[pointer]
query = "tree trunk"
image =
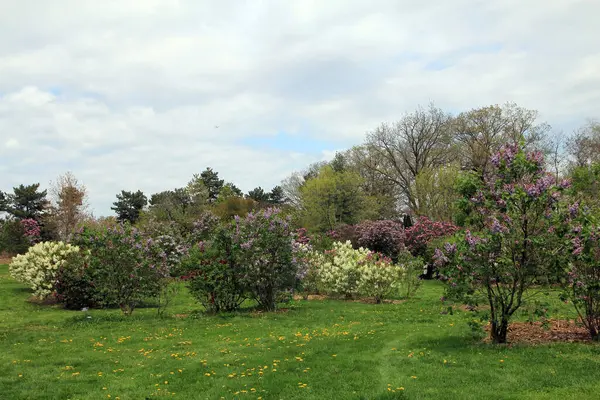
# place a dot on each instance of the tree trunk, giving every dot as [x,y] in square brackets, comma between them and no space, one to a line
[499,331]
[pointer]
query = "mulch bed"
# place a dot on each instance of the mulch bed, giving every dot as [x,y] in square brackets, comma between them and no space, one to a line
[557,331]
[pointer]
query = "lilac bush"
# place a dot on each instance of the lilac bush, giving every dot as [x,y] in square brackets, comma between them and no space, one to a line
[385,237]
[124,267]
[264,249]
[509,248]
[580,232]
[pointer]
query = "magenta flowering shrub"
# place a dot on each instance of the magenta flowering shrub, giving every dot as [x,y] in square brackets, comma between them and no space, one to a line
[123,266]
[509,248]
[31,230]
[264,249]
[385,237]
[423,232]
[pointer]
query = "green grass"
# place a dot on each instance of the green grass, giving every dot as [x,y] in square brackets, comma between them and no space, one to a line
[315,350]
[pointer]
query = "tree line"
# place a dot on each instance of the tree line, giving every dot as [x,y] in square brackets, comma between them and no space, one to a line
[408,167]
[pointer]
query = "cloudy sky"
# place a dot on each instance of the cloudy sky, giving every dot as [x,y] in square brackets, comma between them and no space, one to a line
[127,94]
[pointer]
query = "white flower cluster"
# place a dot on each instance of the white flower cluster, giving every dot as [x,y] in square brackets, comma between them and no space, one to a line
[339,274]
[38,267]
[378,278]
[350,272]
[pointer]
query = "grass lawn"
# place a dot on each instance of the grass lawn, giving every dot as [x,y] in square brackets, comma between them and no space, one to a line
[314,350]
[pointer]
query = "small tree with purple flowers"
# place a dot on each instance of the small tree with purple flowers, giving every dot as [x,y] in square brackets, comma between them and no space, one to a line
[264,249]
[510,251]
[580,232]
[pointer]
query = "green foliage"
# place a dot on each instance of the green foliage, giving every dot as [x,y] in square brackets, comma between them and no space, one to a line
[74,283]
[212,183]
[579,233]
[229,207]
[276,196]
[411,277]
[436,191]
[258,194]
[12,237]
[124,266]
[129,205]
[213,275]
[26,201]
[332,198]
[512,249]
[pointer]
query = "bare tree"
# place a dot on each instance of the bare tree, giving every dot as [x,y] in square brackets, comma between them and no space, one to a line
[69,204]
[480,132]
[584,145]
[419,140]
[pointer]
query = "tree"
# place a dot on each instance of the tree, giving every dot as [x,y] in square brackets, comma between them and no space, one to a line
[510,249]
[481,132]
[419,140]
[170,205]
[69,204]
[332,198]
[435,189]
[584,145]
[26,202]
[292,184]
[258,195]
[197,191]
[339,162]
[212,182]
[129,205]
[230,190]
[364,162]
[276,196]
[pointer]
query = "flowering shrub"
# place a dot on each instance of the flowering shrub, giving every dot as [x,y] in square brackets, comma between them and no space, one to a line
[340,273]
[74,286]
[377,276]
[509,249]
[386,237]
[412,269]
[124,266]
[38,267]
[203,228]
[423,232]
[350,272]
[581,234]
[264,248]
[213,276]
[173,251]
[308,264]
[31,230]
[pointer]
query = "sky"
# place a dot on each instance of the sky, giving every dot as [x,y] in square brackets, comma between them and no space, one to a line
[142,94]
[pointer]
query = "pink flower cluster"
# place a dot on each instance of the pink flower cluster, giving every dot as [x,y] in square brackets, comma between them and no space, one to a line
[31,230]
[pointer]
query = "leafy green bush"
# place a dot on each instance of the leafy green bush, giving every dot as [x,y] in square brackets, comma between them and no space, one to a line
[124,266]
[213,275]
[74,286]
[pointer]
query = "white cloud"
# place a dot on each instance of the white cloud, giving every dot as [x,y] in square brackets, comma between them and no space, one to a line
[127,94]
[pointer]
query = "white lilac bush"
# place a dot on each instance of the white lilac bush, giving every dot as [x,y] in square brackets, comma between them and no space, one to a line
[340,272]
[39,266]
[350,272]
[378,276]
